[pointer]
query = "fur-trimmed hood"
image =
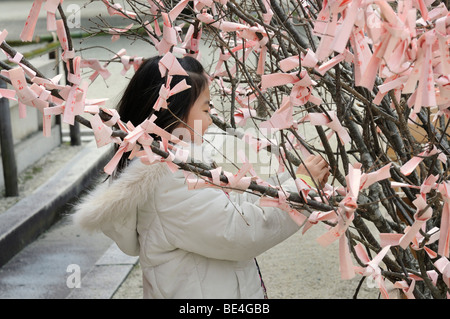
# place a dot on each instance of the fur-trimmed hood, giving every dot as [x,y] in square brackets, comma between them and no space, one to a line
[114,200]
[112,206]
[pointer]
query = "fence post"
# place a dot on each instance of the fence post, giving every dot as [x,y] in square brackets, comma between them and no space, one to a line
[7,148]
[55,55]
[75,133]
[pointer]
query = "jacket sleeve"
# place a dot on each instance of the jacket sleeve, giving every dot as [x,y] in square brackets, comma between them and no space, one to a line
[208,222]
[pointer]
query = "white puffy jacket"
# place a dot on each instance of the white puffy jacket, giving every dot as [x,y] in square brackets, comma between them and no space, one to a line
[191,243]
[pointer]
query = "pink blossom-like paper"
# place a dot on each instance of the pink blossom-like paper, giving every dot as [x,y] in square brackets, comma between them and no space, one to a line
[409,166]
[318,216]
[371,178]
[166,92]
[18,81]
[281,118]
[443,265]
[301,91]
[242,114]
[101,131]
[333,124]
[97,67]
[75,102]
[346,207]
[169,35]
[223,25]
[444,239]
[419,221]
[117,31]
[170,64]
[3,35]
[372,269]
[30,24]
[62,37]
[281,203]
[8,94]
[117,9]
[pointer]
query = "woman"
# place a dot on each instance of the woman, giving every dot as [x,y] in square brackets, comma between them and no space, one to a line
[198,243]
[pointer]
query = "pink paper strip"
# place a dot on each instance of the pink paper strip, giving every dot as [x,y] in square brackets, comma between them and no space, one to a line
[371,178]
[241,115]
[170,64]
[3,35]
[343,32]
[102,132]
[444,238]
[62,37]
[111,166]
[345,261]
[8,94]
[18,81]
[281,118]
[95,65]
[419,221]
[30,24]
[225,26]
[443,265]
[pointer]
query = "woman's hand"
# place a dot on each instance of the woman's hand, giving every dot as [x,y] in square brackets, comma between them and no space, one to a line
[317,168]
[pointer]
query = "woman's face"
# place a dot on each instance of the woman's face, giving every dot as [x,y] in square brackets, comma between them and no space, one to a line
[199,117]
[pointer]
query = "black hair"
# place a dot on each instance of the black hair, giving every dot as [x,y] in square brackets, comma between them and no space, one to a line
[142,92]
